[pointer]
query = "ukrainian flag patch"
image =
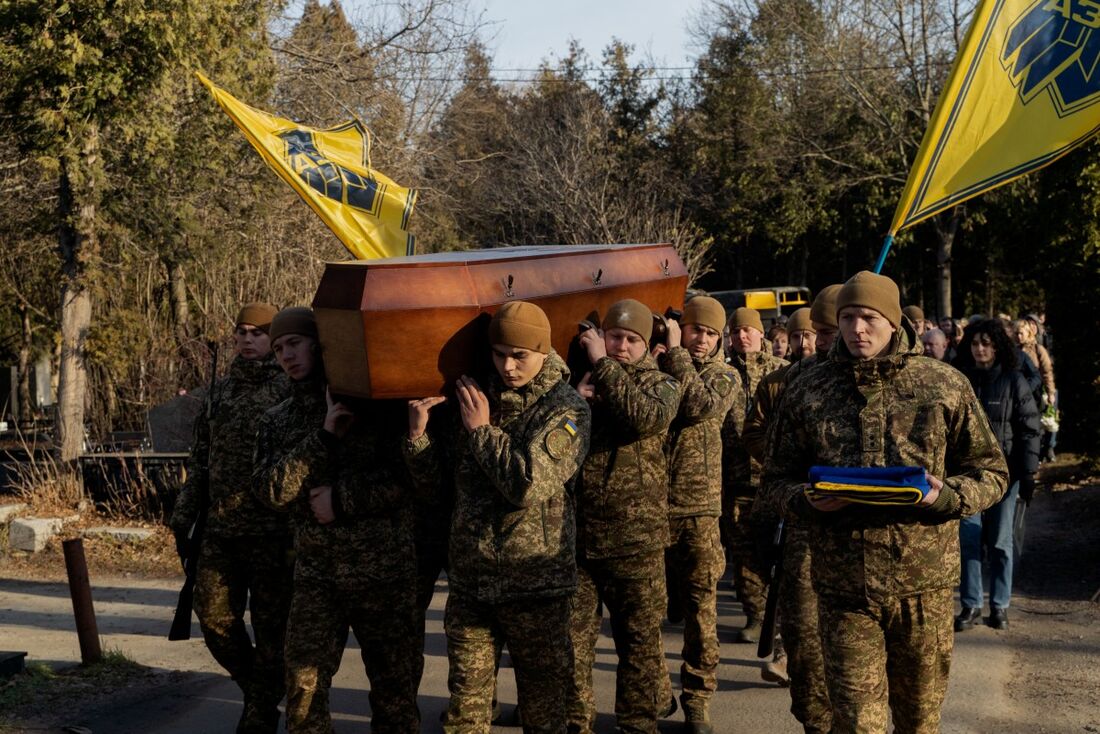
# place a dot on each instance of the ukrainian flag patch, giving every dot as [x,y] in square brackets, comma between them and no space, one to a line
[570,427]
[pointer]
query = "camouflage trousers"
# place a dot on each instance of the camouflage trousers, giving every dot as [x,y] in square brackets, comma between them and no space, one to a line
[231,573]
[633,590]
[383,617]
[798,624]
[537,634]
[693,565]
[749,574]
[887,658]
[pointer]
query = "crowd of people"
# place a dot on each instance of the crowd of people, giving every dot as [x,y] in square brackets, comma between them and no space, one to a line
[549,496]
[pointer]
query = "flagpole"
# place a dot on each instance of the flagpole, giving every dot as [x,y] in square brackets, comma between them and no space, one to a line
[882,255]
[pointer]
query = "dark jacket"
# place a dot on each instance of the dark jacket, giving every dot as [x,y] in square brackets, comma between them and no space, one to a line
[1010,405]
[1030,372]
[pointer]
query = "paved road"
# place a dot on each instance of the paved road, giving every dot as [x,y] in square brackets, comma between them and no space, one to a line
[134,614]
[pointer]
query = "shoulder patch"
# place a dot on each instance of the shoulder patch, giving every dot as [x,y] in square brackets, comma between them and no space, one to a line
[723,384]
[669,388]
[559,440]
[557,443]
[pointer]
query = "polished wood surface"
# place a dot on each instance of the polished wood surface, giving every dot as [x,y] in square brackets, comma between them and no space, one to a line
[407,327]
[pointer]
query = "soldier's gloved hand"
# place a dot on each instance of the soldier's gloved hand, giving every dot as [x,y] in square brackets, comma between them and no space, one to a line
[1027,488]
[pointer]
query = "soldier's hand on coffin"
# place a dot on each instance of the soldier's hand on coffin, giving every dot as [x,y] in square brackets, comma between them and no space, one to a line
[320,501]
[419,413]
[674,334]
[585,388]
[592,341]
[934,493]
[658,350]
[339,417]
[473,406]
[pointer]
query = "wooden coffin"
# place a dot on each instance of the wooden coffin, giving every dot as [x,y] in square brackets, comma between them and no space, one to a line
[409,326]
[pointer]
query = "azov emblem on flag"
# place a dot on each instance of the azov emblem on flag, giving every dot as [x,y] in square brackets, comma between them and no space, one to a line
[1055,46]
[327,178]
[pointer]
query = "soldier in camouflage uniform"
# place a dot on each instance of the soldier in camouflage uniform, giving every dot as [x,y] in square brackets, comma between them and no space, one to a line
[750,354]
[513,531]
[884,575]
[694,562]
[244,551]
[798,622]
[340,475]
[622,520]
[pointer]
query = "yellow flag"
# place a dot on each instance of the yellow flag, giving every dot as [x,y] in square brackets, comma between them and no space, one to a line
[1023,92]
[330,169]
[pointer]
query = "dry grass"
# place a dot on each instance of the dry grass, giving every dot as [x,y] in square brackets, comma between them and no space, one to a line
[47,484]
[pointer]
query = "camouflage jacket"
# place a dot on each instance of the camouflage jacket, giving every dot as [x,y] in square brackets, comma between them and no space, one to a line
[622,495]
[740,472]
[371,540]
[895,410]
[221,454]
[513,528]
[709,389]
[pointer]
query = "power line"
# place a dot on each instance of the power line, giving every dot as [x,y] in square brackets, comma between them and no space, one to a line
[550,75]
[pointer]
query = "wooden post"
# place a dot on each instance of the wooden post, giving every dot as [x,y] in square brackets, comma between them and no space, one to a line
[80,590]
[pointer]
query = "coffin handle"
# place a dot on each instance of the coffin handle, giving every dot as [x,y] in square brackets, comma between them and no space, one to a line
[508,286]
[597,277]
[665,268]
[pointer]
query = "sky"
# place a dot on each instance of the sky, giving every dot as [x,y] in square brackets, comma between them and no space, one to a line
[524,32]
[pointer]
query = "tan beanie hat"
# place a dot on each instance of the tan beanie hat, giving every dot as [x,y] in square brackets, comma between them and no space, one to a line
[704,311]
[746,316]
[632,315]
[823,310]
[256,314]
[522,325]
[800,321]
[914,313]
[874,291]
[294,320]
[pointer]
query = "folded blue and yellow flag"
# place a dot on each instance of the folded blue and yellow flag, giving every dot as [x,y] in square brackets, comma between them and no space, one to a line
[331,171]
[869,485]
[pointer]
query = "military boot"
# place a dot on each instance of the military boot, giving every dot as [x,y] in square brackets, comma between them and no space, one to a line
[750,632]
[775,670]
[696,715]
[260,715]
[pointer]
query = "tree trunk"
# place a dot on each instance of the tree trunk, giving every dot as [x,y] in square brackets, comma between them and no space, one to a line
[177,301]
[945,225]
[77,239]
[26,412]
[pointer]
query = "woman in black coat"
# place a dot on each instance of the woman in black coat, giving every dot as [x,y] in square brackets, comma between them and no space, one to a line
[988,357]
